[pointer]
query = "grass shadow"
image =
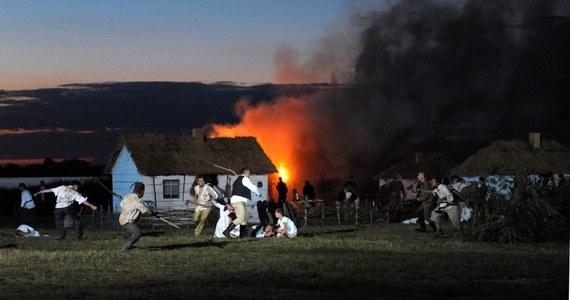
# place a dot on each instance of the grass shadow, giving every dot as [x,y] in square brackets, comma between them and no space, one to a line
[188,245]
[153,233]
[313,234]
[9,246]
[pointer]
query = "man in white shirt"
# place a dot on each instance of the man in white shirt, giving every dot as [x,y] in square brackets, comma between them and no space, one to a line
[241,193]
[65,196]
[204,196]
[445,204]
[27,205]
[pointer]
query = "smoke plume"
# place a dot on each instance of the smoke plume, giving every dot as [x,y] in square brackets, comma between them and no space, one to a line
[416,69]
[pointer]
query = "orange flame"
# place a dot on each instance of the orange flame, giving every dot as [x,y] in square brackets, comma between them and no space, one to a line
[279,127]
[283,174]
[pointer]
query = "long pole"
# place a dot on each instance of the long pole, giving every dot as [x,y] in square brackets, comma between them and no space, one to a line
[168,222]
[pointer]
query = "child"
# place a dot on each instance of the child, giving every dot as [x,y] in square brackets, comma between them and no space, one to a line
[286,225]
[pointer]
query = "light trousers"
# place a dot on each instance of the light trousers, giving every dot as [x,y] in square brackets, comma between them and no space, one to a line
[241,213]
[200,217]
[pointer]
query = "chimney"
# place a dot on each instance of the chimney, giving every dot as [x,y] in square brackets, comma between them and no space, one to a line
[534,140]
[198,134]
[418,157]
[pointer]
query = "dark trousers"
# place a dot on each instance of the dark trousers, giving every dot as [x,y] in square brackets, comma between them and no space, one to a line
[271,208]
[60,219]
[135,234]
[262,212]
[281,199]
[28,215]
[423,213]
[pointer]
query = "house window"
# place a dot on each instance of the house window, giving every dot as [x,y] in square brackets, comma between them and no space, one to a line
[170,189]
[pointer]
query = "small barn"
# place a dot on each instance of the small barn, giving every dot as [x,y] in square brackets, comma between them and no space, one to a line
[168,165]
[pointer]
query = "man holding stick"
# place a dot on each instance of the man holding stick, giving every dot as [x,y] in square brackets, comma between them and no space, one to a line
[131,208]
[241,193]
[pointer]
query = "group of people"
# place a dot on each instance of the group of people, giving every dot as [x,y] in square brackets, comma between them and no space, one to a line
[436,197]
[233,220]
[66,196]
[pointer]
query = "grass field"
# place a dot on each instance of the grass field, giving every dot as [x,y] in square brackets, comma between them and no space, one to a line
[373,262]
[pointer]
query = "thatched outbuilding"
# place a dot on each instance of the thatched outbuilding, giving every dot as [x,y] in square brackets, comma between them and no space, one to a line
[168,165]
[517,157]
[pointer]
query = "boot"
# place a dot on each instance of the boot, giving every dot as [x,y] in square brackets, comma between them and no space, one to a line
[229,229]
[439,234]
[399,216]
[422,224]
[432,224]
[242,231]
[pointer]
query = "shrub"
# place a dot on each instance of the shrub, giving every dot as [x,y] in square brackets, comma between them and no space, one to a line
[528,213]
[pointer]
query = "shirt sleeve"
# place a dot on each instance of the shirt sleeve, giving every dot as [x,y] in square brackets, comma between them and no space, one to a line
[211,192]
[80,199]
[247,183]
[140,206]
[57,190]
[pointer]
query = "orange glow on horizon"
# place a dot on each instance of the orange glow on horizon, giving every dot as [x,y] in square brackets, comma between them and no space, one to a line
[37,161]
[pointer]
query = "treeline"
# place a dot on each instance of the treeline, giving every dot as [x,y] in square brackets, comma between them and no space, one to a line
[51,168]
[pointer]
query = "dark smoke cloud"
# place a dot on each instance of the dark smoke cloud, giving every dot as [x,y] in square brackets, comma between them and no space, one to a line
[443,76]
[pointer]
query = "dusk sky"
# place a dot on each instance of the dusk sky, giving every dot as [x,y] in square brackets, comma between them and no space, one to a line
[417,76]
[48,43]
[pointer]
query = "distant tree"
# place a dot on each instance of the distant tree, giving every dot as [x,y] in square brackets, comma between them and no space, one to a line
[48,161]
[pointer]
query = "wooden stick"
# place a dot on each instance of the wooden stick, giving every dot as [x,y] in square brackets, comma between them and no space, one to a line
[223,168]
[168,222]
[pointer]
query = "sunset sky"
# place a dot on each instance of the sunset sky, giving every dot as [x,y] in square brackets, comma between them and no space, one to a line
[47,43]
[415,76]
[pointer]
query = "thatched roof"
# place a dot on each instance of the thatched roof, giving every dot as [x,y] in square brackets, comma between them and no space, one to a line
[432,164]
[184,155]
[516,157]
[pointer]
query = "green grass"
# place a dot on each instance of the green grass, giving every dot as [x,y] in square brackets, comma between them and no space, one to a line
[377,261]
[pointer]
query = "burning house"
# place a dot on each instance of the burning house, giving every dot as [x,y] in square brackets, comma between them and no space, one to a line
[168,165]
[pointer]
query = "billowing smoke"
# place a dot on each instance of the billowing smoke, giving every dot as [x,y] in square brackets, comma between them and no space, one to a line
[416,70]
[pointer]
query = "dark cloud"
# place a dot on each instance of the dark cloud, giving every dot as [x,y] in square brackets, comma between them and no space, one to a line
[87,120]
[427,75]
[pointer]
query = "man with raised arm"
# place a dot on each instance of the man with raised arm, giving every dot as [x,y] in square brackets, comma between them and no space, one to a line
[241,193]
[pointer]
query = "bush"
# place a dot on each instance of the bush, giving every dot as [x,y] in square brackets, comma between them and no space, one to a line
[528,213]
